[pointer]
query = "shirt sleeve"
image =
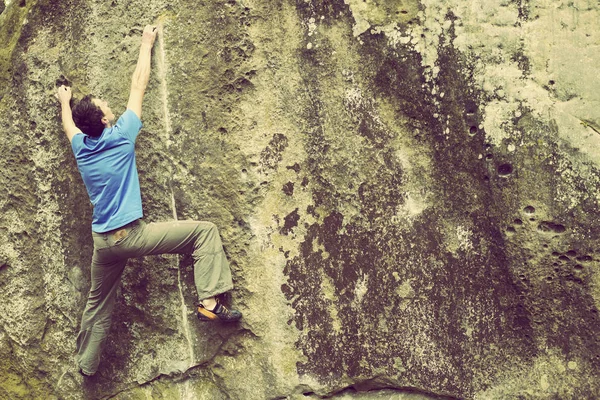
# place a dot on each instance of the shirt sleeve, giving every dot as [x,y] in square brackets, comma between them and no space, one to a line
[77,142]
[129,125]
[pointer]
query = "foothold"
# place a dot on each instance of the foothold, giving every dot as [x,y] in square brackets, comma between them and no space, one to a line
[505,170]
[585,258]
[489,156]
[529,210]
[510,230]
[62,81]
[571,253]
[518,221]
[564,258]
[578,267]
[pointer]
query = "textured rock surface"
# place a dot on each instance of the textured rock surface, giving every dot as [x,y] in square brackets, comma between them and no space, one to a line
[407,192]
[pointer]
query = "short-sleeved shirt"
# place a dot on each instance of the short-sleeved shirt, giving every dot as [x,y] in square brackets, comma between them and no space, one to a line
[107,166]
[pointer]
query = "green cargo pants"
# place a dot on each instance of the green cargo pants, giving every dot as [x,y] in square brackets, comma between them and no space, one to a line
[212,275]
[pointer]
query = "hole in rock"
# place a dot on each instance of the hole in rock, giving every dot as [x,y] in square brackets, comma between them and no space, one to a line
[551,82]
[518,221]
[564,258]
[584,258]
[486,178]
[505,170]
[511,230]
[473,130]
[571,253]
[549,278]
[555,253]
[529,210]
[578,268]
[549,226]
[489,156]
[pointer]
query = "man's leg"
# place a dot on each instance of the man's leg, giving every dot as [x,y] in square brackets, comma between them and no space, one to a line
[96,318]
[212,274]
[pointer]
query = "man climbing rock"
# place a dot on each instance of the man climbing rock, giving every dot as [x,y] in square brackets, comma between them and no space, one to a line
[105,156]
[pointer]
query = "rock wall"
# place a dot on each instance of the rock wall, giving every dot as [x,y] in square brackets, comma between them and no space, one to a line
[407,192]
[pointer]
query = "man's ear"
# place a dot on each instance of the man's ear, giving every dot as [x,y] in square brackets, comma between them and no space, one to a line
[104,121]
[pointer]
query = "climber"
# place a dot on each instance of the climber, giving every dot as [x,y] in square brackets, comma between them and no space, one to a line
[105,156]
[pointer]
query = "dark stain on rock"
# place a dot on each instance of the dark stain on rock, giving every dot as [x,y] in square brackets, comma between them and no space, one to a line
[370,255]
[288,189]
[290,222]
[272,154]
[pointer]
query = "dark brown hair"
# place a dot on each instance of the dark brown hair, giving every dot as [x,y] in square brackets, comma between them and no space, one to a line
[88,117]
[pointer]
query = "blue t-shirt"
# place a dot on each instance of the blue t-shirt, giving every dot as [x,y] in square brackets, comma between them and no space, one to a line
[107,166]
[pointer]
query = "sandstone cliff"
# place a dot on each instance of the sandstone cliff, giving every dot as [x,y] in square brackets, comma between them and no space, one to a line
[407,191]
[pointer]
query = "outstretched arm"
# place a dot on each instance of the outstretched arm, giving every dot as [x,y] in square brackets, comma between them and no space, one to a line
[64,96]
[139,81]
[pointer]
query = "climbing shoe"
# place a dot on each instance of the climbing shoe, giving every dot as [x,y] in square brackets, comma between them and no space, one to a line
[85,375]
[219,313]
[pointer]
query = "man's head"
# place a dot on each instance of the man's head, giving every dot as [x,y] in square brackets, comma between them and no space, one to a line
[92,115]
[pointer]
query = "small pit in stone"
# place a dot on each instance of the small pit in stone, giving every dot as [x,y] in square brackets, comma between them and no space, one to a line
[529,210]
[473,130]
